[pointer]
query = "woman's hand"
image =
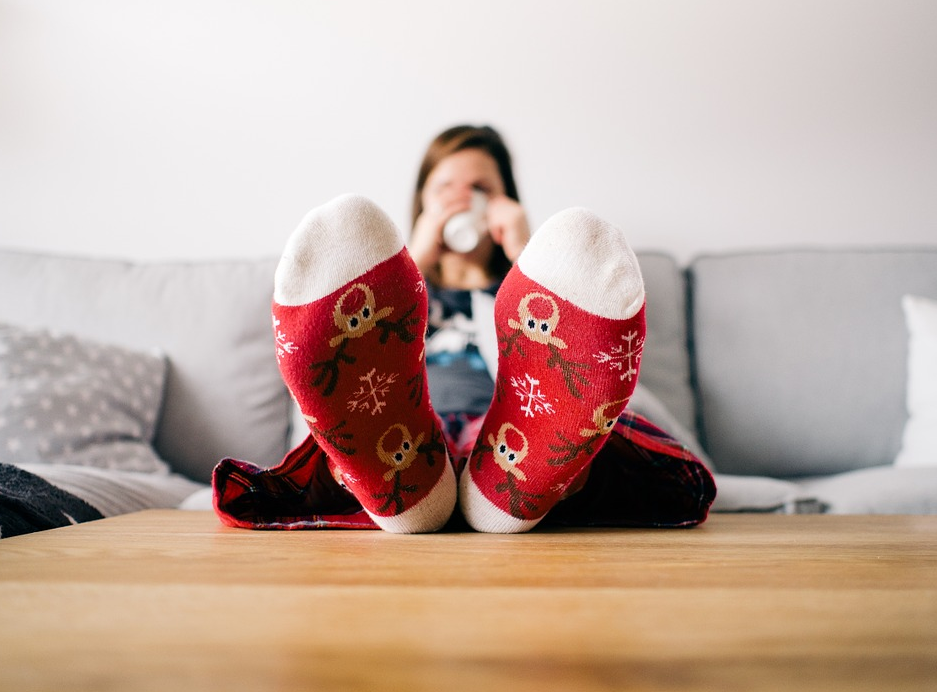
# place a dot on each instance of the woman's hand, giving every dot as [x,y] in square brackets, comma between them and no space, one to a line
[426,242]
[507,224]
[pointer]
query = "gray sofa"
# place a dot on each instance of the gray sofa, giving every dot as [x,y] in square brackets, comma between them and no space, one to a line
[785,371]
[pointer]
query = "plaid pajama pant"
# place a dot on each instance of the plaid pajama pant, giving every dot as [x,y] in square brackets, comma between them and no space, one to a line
[641,477]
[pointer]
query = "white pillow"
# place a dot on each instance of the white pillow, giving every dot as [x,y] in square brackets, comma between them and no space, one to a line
[919,443]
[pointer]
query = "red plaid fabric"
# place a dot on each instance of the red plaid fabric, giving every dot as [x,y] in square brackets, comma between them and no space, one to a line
[641,477]
[300,493]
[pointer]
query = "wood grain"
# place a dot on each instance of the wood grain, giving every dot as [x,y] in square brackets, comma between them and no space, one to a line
[168,600]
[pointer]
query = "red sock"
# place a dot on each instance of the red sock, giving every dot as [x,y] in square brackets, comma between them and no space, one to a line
[570,321]
[350,316]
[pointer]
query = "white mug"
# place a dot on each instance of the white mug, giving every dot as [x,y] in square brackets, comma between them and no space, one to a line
[464,230]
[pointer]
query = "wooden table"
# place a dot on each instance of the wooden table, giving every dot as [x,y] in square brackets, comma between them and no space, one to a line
[171,600]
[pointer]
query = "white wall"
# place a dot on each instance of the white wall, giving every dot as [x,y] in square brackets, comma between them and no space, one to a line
[206,128]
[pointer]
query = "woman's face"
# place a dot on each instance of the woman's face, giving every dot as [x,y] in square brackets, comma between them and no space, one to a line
[455,176]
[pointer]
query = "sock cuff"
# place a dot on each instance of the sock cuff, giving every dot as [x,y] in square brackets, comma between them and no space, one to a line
[334,244]
[600,272]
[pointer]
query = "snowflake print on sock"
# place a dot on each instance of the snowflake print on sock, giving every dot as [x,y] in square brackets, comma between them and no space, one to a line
[372,394]
[284,347]
[533,401]
[624,358]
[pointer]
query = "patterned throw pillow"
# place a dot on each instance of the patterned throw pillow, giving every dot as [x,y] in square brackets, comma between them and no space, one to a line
[66,400]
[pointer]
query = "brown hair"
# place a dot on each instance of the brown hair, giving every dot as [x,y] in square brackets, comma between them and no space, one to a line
[462,137]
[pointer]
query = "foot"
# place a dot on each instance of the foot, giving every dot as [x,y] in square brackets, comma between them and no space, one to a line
[570,321]
[349,314]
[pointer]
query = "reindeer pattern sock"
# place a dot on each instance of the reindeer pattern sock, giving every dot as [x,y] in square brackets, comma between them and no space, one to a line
[570,323]
[349,317]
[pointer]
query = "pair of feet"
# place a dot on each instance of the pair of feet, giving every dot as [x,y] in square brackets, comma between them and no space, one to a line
[349,315]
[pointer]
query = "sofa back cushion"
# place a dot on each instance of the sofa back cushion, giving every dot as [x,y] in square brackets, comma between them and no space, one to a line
[800,357]
[665,364]
[224,395]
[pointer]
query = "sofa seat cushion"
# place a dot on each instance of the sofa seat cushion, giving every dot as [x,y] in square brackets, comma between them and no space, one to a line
[879,490]
[113,492]
[764,495]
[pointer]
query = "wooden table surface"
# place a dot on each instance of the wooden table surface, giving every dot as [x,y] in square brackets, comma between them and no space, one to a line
[171,600]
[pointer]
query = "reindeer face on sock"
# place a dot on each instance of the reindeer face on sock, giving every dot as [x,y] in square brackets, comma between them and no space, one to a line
[509,449]
[604,416]
[356,313]
[398,448]
[538,315]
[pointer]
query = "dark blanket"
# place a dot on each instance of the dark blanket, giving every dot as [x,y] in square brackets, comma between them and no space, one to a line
[29,503]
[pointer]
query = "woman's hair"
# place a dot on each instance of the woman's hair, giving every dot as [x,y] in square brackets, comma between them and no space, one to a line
[462,137]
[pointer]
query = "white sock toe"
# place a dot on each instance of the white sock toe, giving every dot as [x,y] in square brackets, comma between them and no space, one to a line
[332,245]
[599,271]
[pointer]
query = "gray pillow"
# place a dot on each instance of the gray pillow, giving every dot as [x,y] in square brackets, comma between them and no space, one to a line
[65,400]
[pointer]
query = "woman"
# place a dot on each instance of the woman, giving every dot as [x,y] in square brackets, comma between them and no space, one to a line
[462,161]
[459,161]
